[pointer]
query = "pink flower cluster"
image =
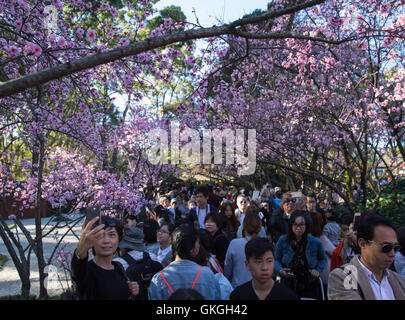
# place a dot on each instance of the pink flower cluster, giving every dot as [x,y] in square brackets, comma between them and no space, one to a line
[32,49]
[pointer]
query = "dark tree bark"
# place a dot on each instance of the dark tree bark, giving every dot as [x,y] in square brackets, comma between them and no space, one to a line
[32,80]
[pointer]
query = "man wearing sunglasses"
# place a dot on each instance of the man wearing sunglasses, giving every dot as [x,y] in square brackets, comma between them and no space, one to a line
[242,203]
[367,277]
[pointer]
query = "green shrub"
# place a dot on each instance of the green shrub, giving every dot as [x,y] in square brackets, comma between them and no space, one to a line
[388,206]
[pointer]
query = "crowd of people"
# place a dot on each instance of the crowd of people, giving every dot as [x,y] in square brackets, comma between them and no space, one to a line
[218,243]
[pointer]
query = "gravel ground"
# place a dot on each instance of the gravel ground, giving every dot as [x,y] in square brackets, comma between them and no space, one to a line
[10,283]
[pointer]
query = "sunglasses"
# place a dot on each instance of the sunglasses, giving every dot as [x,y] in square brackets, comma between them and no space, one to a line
[290,201]
[386,248]
[108,222]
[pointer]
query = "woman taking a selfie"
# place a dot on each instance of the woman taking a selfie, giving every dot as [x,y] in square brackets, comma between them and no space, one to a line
[100,278]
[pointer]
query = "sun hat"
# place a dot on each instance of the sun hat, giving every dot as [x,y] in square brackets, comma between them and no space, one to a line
[132,239]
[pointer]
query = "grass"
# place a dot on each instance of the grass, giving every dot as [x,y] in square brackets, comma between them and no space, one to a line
[3,260]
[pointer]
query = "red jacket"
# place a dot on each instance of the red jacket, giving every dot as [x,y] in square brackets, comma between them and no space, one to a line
[336,260]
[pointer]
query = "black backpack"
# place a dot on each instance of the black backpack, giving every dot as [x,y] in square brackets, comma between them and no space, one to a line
[142,271]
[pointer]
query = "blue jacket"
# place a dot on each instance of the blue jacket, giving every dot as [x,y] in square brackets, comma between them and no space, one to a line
[181,275]
[314,252]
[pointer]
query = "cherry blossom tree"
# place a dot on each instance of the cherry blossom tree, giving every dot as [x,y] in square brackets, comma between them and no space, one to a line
[324,112]
[309,76]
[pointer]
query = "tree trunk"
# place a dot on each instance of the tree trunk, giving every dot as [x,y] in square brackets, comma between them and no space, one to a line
[43,294]
[25,287]
[363,178]
[20,262]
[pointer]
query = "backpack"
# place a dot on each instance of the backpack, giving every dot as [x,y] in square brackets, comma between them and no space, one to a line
[142,271]
[219,235]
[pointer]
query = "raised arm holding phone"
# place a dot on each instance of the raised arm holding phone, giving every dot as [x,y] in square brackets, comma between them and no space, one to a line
[100,278]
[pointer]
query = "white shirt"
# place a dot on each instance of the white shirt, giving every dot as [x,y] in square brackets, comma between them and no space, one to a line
[382,290]
[201,213]
[161,254]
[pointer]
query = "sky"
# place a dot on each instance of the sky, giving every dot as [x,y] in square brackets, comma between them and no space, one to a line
[210,12]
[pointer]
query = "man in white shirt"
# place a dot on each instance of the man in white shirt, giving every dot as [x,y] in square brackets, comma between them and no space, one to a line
[197,214]
[367,277]
[164,251]
[241,202]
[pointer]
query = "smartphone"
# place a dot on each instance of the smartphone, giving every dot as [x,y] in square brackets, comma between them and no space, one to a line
[91,213]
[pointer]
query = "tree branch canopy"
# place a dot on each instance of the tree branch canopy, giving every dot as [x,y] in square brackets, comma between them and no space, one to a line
[31,80]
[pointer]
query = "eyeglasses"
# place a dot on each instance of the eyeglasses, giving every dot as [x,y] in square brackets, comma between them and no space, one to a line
[301,225]
[290,201]
[385,248]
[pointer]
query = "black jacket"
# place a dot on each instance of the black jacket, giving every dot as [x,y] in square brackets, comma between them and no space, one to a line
[279,223]
[221,244]
[266,219]
[96,283]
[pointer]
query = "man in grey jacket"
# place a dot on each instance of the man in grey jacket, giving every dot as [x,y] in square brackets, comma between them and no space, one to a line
[367,277]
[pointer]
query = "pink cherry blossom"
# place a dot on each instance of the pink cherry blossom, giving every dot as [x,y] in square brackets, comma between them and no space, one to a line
[32,48]
[13,51]
[79,32]
[114,12]
[123,42]
[105,6]
[61,42]
[91,35]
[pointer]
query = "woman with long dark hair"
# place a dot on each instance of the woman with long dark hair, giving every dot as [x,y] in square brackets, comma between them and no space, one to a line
[232,223]
[300,258]
[214,224]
